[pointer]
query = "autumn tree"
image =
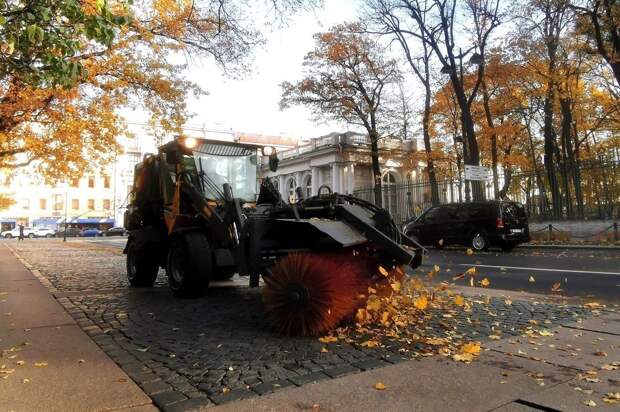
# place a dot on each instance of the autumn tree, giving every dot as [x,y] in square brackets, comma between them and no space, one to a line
[600,23]
[387,19]
[62,127]
[345,78]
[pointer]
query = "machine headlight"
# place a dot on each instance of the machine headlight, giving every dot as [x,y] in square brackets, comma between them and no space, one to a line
[268,150]
[190,142]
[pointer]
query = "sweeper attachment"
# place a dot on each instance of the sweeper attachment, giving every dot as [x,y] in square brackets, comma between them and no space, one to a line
[195,212]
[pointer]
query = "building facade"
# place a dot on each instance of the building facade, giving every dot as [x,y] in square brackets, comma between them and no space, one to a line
[342,162]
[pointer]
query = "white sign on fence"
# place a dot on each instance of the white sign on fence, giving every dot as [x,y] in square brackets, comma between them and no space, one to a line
[477,172]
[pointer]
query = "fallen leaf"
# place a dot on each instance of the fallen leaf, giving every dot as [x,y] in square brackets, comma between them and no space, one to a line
[600,353]
[436,268]
[458,300]
[590,403]
[383,271]
[421,302]
[485,282]
[469,252]
[531,279]
[225,390]
[556,287]
[19,363]
[494,337]
[379,386]
[328,339]
[143,349]
[440,242]
[26,380]
[395,286]
[508,302]
[612,398]
[40,364]
[471,347]
[324,350]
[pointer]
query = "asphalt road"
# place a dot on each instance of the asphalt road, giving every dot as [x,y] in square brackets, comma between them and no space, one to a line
[580,272]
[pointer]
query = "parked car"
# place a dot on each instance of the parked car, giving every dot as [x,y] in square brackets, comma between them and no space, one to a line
[44,232]
[115,231]
[8,234]
[90,232]
[478,225]
[71,232]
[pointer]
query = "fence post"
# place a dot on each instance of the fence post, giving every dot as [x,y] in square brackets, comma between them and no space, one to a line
[550,231]
[615,231]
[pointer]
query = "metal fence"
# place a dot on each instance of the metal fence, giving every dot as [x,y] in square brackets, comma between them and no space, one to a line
[599,183]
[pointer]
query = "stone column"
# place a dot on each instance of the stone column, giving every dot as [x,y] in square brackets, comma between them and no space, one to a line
[336,177]
[316,180]
[281,188]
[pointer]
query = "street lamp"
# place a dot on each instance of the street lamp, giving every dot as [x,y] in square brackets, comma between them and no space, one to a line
[65,186]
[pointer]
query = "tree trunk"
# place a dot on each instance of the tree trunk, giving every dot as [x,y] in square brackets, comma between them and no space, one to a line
[489,118]
[471,154]
[539,181]
[432,178]
[376,169]
[550,147]
[507,180]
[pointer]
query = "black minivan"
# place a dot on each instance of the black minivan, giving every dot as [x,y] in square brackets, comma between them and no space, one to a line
[478,225]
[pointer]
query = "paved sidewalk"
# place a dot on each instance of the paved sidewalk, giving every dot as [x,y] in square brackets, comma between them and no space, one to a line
[47,362]
[562,372]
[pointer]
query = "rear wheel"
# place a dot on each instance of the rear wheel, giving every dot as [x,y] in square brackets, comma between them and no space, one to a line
[479,242]
[31,235]
[189,265]
[8,236]
[141,268]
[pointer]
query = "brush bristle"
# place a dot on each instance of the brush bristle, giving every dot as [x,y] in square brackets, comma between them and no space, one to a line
[330,285]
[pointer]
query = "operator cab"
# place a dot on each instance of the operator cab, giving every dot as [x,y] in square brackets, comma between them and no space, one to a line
[209,164]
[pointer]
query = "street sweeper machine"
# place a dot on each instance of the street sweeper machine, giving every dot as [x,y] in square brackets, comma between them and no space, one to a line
[196,212]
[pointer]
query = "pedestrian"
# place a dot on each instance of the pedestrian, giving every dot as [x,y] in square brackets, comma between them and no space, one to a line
[21,232]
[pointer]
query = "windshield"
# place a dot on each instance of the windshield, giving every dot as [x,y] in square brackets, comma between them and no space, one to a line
[238,171]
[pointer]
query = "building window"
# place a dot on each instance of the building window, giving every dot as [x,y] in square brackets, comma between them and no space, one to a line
[308,186]
[106,204]
[75,204]
[26,204]
[75,182]
[292,196]
[43,204]
[58,202]
[106,182]
[91,181]
[91,204]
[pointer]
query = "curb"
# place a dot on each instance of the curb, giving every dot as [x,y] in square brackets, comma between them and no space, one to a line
[585,247]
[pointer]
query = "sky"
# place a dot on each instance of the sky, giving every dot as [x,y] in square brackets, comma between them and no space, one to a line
[251,104]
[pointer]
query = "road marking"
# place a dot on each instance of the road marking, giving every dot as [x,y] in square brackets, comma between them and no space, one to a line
[542,269]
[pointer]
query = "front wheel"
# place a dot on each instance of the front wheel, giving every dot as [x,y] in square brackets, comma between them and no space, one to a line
[141,268]
[31,236]
[479,242]
[189,265]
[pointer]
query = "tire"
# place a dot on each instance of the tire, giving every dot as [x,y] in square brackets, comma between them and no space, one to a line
[8,236]
[31,236]
[141,268]
[507,247]
[479,242]
[189,265]
[49,235]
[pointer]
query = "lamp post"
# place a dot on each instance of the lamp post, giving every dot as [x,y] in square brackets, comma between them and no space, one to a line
[65,186]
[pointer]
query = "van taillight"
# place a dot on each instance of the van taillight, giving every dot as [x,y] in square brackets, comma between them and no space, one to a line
[499,223]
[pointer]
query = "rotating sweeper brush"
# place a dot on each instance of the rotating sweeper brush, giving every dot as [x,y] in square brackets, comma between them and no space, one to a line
[195,212]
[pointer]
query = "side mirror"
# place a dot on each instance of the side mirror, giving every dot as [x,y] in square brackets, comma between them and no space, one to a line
[273,162]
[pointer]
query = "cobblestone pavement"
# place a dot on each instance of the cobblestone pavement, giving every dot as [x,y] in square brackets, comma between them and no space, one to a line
[219,348]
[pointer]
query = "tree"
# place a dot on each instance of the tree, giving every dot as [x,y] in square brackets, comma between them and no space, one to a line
[64,129]
[42,40]
[437,28]
[600,23]
[387,16]
[345,78]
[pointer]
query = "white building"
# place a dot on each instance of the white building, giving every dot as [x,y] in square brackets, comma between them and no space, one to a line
[342,162]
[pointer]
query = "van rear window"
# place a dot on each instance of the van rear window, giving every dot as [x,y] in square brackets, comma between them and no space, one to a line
[513,211]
